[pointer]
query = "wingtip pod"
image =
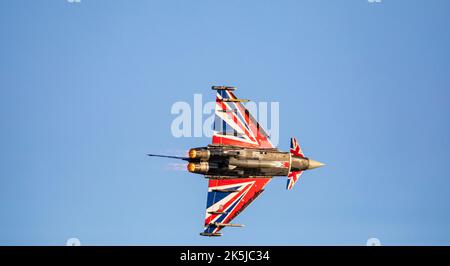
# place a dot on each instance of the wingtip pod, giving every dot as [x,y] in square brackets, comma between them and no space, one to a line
[210,234]
[227,88]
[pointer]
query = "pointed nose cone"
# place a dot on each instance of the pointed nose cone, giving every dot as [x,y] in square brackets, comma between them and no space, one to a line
[314,164]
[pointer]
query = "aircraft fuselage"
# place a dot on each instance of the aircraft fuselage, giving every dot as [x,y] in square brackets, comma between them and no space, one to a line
[231,161]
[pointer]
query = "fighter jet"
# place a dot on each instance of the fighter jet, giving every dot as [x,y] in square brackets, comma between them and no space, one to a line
[240,162]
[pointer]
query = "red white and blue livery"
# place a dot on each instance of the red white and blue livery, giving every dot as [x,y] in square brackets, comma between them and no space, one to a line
[240,162]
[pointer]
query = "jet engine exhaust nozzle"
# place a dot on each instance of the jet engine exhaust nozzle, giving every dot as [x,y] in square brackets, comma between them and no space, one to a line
[200,168]
[199,154]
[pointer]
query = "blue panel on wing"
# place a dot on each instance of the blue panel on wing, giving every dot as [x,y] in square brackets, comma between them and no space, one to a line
[223,93]
[222,217]
[215,196]
[210,229]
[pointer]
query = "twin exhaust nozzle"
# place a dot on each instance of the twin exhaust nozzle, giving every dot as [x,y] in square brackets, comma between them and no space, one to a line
[198,167]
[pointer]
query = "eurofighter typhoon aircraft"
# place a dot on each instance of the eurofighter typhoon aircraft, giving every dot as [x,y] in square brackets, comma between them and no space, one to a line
[240,162]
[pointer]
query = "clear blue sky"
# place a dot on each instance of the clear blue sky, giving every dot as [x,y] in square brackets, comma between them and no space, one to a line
[86,90]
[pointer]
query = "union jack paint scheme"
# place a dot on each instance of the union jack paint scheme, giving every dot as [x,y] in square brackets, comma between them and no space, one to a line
[240,162]
[293,176]
[222,205]
[235,126]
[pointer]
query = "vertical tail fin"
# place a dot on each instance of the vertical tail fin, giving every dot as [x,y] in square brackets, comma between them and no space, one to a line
[294,176]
